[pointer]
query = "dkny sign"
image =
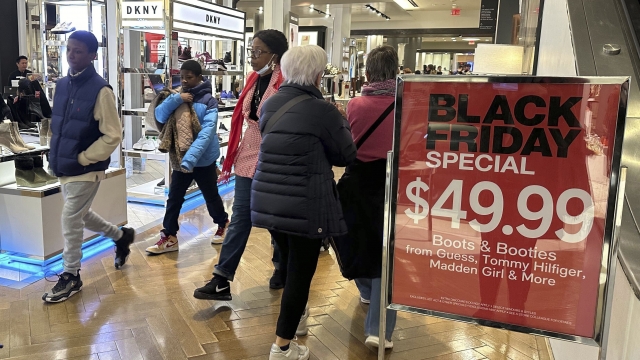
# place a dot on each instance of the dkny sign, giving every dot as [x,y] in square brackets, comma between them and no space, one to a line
[206,18]
[142,9]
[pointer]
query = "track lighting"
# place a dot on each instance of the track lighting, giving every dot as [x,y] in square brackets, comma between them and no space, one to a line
[378,12]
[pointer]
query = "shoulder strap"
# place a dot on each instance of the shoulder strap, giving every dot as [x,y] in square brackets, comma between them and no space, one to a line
[375,125]
[276,117]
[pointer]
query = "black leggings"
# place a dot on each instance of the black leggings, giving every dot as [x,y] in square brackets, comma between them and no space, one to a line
[298,262]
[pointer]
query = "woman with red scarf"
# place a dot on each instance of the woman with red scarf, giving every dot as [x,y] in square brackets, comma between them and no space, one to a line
[267,49]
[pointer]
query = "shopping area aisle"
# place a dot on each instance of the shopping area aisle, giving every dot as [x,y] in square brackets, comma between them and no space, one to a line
[146,311]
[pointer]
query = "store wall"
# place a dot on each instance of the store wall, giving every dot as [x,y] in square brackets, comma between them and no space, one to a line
[556,55]
[10,44]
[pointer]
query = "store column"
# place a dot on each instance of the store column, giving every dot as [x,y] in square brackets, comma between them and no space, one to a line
[341,29]
[275,14]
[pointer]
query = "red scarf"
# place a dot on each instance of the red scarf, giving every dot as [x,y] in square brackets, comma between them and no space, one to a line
[237,120]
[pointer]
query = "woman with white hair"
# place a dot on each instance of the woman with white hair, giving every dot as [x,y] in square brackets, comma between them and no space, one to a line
[293,192]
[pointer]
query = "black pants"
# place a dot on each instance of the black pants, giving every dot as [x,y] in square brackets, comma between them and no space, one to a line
[298,262]
[207,180]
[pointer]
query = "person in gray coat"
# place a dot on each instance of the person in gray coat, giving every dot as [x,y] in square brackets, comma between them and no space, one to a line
[293,192]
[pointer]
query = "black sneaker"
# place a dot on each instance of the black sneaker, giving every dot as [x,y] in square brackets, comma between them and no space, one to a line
[122,246]
[275,282]
[216,289]
[67,286]
[161,183]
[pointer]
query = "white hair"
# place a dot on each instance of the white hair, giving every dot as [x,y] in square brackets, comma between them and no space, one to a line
[303,64]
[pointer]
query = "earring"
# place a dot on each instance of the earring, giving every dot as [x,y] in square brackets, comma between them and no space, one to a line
[273,66]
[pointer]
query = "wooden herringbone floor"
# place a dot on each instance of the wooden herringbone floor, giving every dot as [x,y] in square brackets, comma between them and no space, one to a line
[146,311]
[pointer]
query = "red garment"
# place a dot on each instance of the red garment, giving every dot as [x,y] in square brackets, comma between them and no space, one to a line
[237,120]
[362,112]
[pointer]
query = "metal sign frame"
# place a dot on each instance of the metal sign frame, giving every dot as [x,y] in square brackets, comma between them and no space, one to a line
[615,202]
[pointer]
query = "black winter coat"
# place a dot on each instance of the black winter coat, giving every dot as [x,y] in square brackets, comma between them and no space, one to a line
[293,190]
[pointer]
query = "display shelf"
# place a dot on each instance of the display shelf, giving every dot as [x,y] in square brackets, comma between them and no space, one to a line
[7,155]
[152,155]
[47,190]
[30,225]
[150,193]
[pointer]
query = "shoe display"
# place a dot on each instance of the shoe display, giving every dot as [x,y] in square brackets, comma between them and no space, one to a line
[44,132]
[161,183]
[222,127]
[302,329]
[218,237]
[216,289]
[186,54]
[19,140]
[67,286]
[8,140]
[25,175]
[41,174]
[374,341]
[122,246]
[164,245]
[275,282]
[145,144]
[149,145]
[295,352]
[223,94]
[138,145]
[63,28]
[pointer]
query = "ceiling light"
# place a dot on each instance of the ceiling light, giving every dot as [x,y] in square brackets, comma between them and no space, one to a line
[260,10]
[311,6]
[455,40]
[470,39]
[407,4]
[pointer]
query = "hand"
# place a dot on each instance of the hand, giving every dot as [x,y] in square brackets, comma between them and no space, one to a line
[341,109]
[186,97]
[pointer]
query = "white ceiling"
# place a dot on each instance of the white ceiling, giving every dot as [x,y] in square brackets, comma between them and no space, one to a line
[361,14]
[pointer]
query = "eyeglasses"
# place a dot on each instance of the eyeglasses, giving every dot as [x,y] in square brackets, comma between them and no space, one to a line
[256,53]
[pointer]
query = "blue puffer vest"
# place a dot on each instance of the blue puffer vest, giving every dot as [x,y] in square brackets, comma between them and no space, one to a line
[73,127]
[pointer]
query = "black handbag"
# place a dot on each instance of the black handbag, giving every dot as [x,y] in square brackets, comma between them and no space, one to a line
[358,253]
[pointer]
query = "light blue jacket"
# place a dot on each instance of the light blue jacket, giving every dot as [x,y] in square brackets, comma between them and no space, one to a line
[205,149]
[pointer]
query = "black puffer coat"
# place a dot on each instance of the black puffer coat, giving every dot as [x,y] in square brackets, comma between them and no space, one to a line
[293,190]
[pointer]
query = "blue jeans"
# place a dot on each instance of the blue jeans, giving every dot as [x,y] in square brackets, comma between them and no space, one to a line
[235,241]
[370,289]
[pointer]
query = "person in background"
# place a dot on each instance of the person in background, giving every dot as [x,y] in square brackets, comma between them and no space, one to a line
[198,163]
[407,71]
[425,69]
[367,183]
[267,49]
[85,129]
[439,71]
[21,62]
[417,72]
[293,191]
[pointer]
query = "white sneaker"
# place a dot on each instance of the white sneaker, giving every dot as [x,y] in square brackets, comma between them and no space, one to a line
[138,145]
[164,245]
[364,301]
[302,329]
[148,145]
[374,341]
[295,352]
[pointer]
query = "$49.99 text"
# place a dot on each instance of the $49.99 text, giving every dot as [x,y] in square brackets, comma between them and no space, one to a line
[422,209]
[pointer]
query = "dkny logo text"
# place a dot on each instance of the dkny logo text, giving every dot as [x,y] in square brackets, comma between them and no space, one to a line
[142,9]
[213,19]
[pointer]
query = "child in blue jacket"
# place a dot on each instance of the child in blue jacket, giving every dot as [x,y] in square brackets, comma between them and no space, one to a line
[199,162]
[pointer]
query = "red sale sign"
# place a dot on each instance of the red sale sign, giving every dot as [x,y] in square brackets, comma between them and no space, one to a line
[502,200]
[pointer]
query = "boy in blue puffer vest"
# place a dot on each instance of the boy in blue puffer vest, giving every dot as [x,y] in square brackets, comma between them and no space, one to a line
[85,129]
[199,162]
